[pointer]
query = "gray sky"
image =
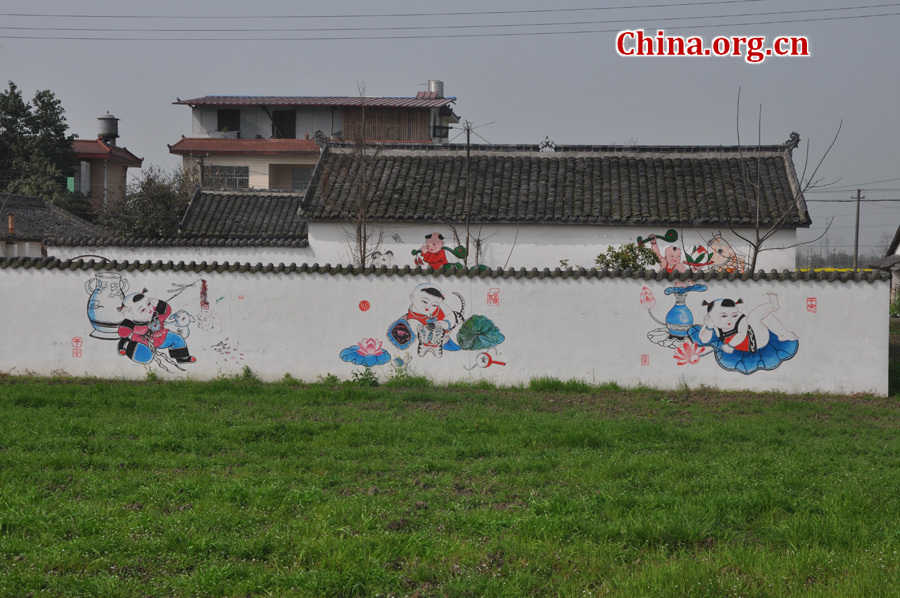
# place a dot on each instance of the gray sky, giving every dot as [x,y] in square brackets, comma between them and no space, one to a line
[562,81]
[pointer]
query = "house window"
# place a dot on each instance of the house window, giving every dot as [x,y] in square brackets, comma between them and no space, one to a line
[300,178]
[284,124]
[229,120]
[226,177]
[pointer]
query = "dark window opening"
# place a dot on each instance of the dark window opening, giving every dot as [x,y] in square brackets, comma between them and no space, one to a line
[284,124]
[300,178]
[229,120]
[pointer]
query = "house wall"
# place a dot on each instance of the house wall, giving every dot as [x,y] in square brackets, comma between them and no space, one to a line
[256,123]
[536,246]
[258,165]
[594,328]
[265,255]
[21,249]
[108,182]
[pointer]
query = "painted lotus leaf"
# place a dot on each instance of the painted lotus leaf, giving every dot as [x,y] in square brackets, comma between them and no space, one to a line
[354,355]
[479,333]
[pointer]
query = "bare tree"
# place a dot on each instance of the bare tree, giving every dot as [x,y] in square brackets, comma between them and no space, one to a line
[764,232]
[363,238]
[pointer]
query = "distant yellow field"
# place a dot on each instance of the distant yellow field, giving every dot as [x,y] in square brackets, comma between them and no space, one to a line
[833,269]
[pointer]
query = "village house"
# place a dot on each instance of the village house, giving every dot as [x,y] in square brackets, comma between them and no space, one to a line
[102,170]
[273,142]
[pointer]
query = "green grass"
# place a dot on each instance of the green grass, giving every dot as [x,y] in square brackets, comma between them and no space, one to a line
[237,487]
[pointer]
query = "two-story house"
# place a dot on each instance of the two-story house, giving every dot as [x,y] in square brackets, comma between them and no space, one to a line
[270,142]
[102,170]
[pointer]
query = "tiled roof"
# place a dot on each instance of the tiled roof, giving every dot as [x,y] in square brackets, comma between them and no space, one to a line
[35,220]
[257,215]
[95,149]
[259,147]
[889,262]
[895,242]
[474,272]
[175,242]
[417,102]
[706,185]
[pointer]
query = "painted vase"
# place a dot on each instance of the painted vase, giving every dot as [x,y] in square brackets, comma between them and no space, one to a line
[107,291]
[679,319]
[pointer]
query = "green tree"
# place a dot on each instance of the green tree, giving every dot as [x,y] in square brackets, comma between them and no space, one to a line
[154,204]
[36,154]
[629,255]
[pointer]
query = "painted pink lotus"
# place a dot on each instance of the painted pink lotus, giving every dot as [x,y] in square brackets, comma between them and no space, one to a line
[370,346]
[367,353]
[647,298]
[689,353]
[684,283]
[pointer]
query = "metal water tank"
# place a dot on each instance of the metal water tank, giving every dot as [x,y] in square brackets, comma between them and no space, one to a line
[109,128]
[436,86]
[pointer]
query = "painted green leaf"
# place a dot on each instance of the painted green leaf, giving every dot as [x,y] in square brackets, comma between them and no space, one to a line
[479,333]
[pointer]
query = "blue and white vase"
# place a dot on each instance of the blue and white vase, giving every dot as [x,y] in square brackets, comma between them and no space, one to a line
[107,291]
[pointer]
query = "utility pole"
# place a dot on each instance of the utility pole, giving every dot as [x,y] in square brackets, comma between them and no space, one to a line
[859,197]
[468,128]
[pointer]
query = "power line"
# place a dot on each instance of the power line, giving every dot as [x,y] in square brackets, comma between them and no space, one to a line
[447,36]
[383,15]
[431,27]
[851,200]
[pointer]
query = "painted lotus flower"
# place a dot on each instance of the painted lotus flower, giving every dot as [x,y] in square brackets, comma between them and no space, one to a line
[370,346]
[478,333]
[689,353]
[368,353]
[647,298]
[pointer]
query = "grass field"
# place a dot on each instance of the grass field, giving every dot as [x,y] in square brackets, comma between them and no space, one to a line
[237,488]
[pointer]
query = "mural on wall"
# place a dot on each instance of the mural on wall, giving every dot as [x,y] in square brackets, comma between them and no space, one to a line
[427,329]
[741,342]
[434,253]
[717,254]
[368,352]
[148,329]
[381,258]
[144,334]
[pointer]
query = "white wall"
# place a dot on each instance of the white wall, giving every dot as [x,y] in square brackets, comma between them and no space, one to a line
[265,255]
[531,246]
[568,327]
[255,121]
[537,245]
[20,249]
[258,165]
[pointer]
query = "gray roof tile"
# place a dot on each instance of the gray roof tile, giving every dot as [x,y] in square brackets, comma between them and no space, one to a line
[36,220]
[259,215]
[53,263]
[575,184]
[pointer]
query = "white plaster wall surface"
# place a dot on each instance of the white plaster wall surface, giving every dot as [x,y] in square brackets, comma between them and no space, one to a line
[593,329]
[265,255]
[327,120]
[538,245]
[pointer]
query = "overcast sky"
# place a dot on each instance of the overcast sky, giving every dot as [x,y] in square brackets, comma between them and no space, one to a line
[515,76]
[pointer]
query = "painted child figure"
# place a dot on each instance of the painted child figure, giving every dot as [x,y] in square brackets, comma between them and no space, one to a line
[670,261]
[143,330]
[433,324]
[432,252]
[743,332]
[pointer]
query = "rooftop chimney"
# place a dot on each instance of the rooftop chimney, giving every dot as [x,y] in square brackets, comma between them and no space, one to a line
[109,128]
